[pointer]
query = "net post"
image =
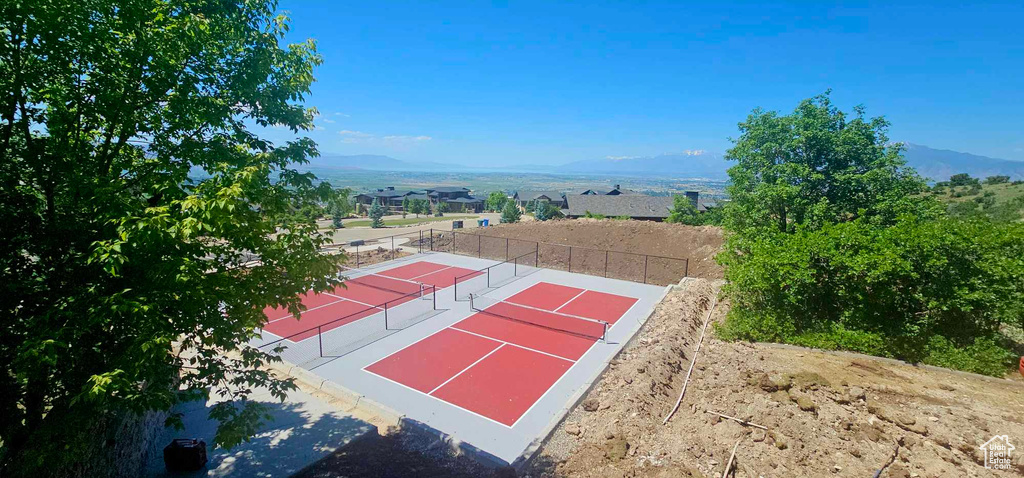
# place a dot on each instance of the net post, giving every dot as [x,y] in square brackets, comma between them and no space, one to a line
[433,296]
[488,277]
[386,316]
[320,338]
[515,267]
[455,287]
[605,333]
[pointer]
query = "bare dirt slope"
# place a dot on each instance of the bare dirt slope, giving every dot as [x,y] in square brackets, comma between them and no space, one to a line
[698,243]
[826,415]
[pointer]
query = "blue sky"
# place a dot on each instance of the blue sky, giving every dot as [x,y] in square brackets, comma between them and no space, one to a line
[506,82]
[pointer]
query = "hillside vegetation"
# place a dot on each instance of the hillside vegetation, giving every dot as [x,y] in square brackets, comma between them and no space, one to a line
[833,242]
[994,197]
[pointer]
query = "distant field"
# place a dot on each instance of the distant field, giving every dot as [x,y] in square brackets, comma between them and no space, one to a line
[482,183]
[410,221]
[1002,201]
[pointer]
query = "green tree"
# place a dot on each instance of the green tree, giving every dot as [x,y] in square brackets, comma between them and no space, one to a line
[963,179]
[376,215]
[135,197]
[540,211]
[815,166]
[683,212]
[441,208]
[405,206]
[340,206]
[510,213]
[496,201]
[830,244]
[997,179]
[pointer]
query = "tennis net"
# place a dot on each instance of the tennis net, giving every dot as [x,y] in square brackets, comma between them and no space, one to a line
[556,321]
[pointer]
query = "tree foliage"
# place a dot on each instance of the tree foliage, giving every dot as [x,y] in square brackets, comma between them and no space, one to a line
[121,273]
[340,206]
[830,243]
[376,214]
[496,201]
[510,213]
[815,166]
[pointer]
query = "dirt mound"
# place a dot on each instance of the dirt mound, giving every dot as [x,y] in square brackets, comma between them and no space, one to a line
[824,414]
[697,243]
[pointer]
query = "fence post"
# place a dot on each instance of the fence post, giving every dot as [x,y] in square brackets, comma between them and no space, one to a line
[357,257]
[645,267]
[536,254]
[570,258]
[455,250]
[478,240]
[320,338]
[606,263]
[431,239]
[686,271]
[506,248]
[386,316]
[394,253]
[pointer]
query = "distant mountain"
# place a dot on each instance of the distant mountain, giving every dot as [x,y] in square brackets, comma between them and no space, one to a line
[933,164]
[940,164]
[690,164]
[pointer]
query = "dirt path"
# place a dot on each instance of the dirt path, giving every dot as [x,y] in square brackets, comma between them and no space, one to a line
[826,415]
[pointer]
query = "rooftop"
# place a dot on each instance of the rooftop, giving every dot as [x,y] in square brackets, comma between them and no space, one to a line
[622,205]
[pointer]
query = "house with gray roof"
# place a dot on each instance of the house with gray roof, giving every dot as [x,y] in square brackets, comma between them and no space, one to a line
[650,208]
[523,198]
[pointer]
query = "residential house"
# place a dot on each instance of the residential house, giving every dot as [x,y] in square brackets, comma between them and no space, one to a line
[616,191]
[524,198]
[649,208]
[459,199]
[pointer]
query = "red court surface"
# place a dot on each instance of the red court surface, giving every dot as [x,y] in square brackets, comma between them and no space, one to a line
[359,298]
[494,365]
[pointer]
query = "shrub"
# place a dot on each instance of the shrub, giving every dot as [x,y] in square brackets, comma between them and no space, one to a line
[376,215]
[883,291]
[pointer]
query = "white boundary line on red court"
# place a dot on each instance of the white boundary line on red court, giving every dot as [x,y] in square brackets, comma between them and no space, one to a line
[584,291]
[431,272]
[467,368]
[552,387]
[292,316]
[512,344]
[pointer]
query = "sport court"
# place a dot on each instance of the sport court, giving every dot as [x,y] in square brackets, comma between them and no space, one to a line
[499,361]
[496,371]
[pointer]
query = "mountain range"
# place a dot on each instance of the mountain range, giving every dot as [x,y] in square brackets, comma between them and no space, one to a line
[933,164]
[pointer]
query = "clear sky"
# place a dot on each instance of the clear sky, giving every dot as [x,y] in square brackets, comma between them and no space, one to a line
[540,82]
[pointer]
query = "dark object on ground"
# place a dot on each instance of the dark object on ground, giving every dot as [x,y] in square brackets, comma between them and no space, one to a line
[358,242]
[185,454]
[456,224]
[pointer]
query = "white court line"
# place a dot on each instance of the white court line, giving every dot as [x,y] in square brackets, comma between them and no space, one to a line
[428,273]
[572,299]
[444,402]
[358,302]
[467,368]
[512,344]
[291,316]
